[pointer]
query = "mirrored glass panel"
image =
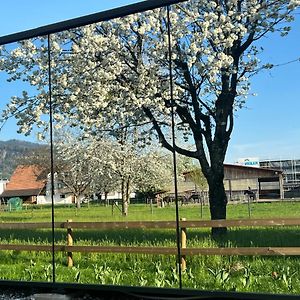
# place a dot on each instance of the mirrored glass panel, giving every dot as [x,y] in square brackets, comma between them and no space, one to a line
[26,235]
[159,149]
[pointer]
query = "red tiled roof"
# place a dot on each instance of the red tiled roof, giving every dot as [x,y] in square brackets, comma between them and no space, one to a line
[26,179]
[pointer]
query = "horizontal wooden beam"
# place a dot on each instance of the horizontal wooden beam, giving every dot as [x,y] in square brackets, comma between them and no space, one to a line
[121,225]
[47,248]
[124,250]
[92,249]
[251,251]
[242,223]
[156,224]
[29,225]
[265,251]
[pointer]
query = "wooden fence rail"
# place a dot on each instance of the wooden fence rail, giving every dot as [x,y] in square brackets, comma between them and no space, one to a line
[156,224]
[185,251]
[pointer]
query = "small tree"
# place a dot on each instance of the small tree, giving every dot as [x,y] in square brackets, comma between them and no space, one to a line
[71,166]
[199,180]
[74,168]
[105,182]
[155,173]
[134,170]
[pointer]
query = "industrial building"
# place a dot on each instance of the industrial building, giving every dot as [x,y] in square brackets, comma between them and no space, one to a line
[291,174]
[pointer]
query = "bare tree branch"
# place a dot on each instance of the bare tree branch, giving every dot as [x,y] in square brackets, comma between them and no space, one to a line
[162,139]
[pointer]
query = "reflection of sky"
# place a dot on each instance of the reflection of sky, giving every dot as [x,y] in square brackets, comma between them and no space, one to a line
[7,90]
[20,15]
[267,128]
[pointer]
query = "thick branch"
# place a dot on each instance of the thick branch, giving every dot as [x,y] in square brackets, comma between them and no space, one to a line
[230,128]
[191,88]
[186,117]
[162,139]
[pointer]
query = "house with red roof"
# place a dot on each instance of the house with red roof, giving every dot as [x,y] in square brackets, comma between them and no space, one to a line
[31,184]
[27,182]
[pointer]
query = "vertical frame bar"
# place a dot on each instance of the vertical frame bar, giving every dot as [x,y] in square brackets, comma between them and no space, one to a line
[51,155]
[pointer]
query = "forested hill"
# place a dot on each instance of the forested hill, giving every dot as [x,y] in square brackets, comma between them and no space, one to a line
[11,153]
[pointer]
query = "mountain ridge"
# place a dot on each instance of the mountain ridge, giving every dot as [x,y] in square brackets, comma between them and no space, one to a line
[11,153]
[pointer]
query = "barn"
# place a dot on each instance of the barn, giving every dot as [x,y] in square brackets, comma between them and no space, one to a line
[238,180]
[265,183]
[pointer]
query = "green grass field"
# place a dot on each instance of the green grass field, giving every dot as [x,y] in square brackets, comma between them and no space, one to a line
[230,273]
[143,212]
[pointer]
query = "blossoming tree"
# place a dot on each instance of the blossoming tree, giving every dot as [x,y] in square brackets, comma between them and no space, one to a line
[130,168]
[116,72]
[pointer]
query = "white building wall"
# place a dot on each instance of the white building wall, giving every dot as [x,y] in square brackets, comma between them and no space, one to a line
[3,185]
[117,196]
[57,199]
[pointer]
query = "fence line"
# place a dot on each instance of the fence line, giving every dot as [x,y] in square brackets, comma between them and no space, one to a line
[70,248]
[156,224]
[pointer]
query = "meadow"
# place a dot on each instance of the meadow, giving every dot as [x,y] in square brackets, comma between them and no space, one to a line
[231,273]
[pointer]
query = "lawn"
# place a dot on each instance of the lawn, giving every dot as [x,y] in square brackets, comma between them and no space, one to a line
[143,212]
[231,273]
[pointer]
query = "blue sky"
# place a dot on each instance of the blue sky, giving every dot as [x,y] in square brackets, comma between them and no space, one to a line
[19,15]
[269,126]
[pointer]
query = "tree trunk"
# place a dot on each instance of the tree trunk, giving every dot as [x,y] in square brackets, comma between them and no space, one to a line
[128,190]
[77,201]
[105,198]
[217,203]
[124,199]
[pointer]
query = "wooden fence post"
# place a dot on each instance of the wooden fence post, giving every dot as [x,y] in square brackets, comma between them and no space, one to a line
[183,245]
[69,243]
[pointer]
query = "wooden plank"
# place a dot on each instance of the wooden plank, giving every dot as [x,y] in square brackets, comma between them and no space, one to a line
[29,225]
[123,249]
[122,225]
[186,224]
[265,251]
[155,224]
[92,249]
[241,223]
[47,248]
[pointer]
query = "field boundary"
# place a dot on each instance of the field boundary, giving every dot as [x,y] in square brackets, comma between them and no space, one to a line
[70,248]
[155,224]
